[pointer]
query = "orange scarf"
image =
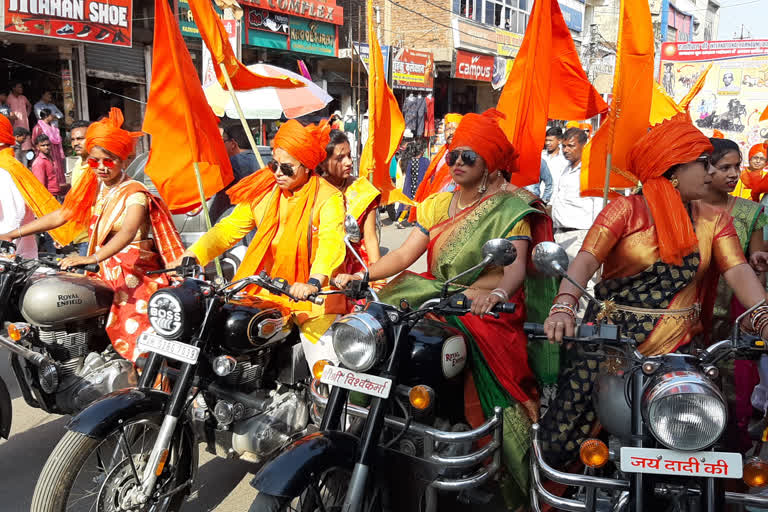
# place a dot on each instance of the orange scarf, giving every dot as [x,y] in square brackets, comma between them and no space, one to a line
[675,141]
[429,184]
[751,179]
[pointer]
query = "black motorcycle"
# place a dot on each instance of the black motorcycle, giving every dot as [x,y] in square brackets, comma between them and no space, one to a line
[59,353]
[392,437]
[663,417]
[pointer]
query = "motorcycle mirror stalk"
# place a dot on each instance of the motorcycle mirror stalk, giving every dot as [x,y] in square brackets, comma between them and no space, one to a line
[497,251]
[551,260]
[354,236]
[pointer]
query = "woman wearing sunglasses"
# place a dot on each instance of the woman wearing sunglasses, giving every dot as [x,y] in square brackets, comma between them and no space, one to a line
[360,197]
[299,221]
[452,228]
[119,214]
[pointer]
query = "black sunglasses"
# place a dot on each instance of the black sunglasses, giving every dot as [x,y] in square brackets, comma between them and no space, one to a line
[287,169]
[468,156]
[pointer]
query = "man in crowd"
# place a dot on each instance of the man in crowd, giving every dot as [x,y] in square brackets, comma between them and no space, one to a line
[241,156]
[5,108]
[77,139]
[21,135]
[46,102]
[572,214]
[20,108]
[43,169]
[543,188]
[553,153]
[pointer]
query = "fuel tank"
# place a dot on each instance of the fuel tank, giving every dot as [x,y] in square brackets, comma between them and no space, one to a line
[53,300]
[251,323]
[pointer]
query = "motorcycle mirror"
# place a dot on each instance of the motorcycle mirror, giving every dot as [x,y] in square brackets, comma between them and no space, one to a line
[550,259]
[352,229]
[499,251]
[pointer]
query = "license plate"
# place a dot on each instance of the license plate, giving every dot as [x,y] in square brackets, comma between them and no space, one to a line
[356,381]
[671,462]
[169,348]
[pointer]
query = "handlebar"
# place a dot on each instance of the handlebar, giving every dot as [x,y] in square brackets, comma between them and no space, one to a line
[56,263]
[585,333]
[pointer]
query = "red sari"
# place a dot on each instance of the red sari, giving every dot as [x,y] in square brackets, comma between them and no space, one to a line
[125,272]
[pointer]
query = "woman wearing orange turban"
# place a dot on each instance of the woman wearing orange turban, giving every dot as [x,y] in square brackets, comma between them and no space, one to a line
[299,221]
[452,228]
[752,175]
[120,215]
[662,252]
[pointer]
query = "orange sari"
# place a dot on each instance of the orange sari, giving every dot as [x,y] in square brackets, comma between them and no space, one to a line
[125,272]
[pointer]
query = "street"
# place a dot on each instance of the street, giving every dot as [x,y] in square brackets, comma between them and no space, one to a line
[222,485]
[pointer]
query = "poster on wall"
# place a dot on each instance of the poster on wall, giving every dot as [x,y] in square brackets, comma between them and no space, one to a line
[735,91]
[87,21]
[412,69]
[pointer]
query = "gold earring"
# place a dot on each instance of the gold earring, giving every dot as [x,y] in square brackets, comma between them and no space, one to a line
[484,184]
[675,182]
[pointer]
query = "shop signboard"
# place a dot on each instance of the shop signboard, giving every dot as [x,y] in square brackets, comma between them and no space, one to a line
[314,37]
[85,21]
[187,21]
[501,69]
[266,21]
[412,69]
[472,66]
[363,50]
[573,17]
[734,92]
[319,10]
[473,36]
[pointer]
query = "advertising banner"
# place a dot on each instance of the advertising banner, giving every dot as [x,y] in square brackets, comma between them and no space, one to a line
[313,37]
[412,69]
[209,75]
[259,19]
[87,21]
[501,69]
[735,91]
[472,66]
[326,11]
[363,51]
[187,20]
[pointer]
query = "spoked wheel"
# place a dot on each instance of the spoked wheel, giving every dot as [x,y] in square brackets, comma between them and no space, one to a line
[99,475]
[324,494]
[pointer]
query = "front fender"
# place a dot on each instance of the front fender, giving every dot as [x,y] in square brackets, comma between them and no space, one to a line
[102,416]
[290,473]
[5,410]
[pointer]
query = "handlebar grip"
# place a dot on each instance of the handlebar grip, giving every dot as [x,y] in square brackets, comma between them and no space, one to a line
[317,300]
[91,267]
[505,307]
[533,329]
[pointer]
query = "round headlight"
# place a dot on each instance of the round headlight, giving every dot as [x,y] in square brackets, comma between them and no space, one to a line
[359,341]
[166,315]
[684,411]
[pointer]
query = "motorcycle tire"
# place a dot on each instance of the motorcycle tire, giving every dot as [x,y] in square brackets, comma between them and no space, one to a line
[304,501]
[56,481]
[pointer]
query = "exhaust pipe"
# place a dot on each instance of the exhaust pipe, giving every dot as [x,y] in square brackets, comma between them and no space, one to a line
[33,357]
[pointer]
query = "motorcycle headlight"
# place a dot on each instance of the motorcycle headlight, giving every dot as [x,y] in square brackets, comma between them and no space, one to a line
[166,314]
[684,411]
[359,341]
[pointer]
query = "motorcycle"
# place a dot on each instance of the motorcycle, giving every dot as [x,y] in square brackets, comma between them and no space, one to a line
[59,353]
[393,424]
[238,378]
[664,417]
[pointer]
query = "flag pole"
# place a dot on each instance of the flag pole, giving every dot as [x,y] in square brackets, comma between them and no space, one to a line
[242,116]
[606,187]
[206,214]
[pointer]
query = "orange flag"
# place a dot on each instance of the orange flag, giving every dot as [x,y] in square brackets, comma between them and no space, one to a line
[632,98]
[685,103]
[183,126]
[764,115]
[547,81]
[216,39]
[385,124]
[663,107]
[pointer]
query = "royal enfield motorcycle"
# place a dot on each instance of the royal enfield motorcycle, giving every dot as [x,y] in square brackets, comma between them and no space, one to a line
[393,431]
[59,352]
[663,419]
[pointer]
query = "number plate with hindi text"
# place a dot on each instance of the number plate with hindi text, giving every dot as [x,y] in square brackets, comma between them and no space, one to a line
[356,381]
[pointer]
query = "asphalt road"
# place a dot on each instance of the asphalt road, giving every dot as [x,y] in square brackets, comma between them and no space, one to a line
[222,485]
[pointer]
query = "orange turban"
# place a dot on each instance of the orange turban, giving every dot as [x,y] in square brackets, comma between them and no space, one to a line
[483,134]
[675,141]
[305,143]
[572,124]
[717,134]
[453,118]
[586,127]
[6,131]
[108,135]
[757,148]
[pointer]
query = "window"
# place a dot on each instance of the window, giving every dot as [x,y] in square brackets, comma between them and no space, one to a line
[466,8]
[509,15]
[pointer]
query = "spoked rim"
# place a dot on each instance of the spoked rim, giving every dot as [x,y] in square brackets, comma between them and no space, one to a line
[324,494]
[107,475]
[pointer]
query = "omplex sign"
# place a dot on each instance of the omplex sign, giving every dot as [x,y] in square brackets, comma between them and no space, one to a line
[326,11]
[472,66]
[93,21]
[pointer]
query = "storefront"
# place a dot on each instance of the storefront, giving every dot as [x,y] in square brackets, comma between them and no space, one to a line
[473,74]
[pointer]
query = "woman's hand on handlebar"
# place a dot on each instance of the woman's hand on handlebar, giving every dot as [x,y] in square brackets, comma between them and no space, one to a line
[558,325]
[74,261]
[342,280]
[7,237]
[482,302]
[177,262]
[302,291]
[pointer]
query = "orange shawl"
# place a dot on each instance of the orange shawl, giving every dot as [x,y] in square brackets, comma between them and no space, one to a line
[433,181]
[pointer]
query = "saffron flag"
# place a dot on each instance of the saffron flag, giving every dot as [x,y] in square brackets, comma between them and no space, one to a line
[631,107]
[764,115]
[547,81]
[215,36]
[663,107]
[385,123]
[183,126]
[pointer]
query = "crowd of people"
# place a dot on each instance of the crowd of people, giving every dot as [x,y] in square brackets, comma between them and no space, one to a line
[680,258]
